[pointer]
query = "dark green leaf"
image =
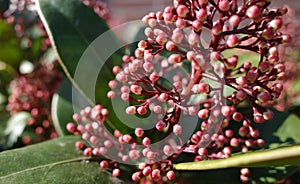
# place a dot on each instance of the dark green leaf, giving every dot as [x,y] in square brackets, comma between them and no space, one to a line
[54,162]
[7,74]
[62,108]
[73,27]
[4,5]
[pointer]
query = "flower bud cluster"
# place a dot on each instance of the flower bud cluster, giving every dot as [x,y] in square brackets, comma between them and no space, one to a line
[32,93]
[118,147]
[190,80]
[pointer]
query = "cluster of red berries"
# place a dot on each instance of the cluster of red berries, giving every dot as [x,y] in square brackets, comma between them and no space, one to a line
[19,11]
[22,16]
[181,72]
[32,93]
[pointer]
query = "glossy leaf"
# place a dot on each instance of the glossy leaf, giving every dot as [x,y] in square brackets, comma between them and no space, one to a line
[62,108]
[54,161]
[72,28]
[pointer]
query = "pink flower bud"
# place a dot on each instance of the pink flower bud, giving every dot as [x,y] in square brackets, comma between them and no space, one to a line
[104,164]
[175,58]
[134,154]
[197,25]
[182,11]
[147,170]
[215,56]
[142,45]
[146,141]
[136,89]
[87,152]
[131,110]
[170,46]
[217,28]
[148,67]
[121,77]
[163,97]
[260,142]
[170,175]
[157,109]
[231,62]
[224,5]
[286,38]
[177,129]
[154,77]
[138,53]
[254,134]
[227,111]
[142,110]
[202,151]
[258,118]
[136,176]
[71,127]
[180,23]
[232,41]
[201,15]
[268,115]
[126,138]
[267,34]
[245,172]
[253,12]
[202,2]
[234,20]
[139,132]
[252,75]
[203,113]
[168,150]
[161,39]
[276,23]
[264,97]
[243,131]
[116,172]
[241,81]
[237,116]
[155,173]
[234,142]
[111,94]
[160,126]
[125,96]
[201,88]
[264,67]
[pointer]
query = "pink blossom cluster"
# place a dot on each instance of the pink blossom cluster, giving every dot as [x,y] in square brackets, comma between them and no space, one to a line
[181,72]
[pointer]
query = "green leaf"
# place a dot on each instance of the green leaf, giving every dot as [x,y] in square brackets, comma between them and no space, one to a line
[10,50]
[72,28]
[15,127]
[288,155]
[53,162]
[62,108]
[4,5]
[7,74]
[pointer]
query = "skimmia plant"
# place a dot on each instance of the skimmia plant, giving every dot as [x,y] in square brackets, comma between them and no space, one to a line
[199,93]
[189,41]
